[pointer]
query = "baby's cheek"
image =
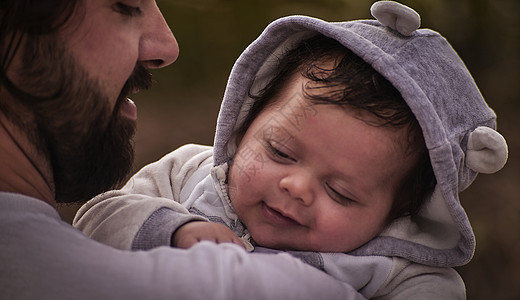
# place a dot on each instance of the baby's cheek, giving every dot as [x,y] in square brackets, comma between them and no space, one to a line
[232,188]
[239,180]
[248,164]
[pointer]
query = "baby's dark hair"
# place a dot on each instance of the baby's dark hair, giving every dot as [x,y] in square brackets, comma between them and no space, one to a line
[354,83]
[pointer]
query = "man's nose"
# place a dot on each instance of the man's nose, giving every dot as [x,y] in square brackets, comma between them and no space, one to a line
[158,46]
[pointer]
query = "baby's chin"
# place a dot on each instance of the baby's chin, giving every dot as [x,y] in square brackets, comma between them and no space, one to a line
[303,246]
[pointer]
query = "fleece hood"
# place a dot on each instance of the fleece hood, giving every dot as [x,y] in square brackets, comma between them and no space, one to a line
[458,126]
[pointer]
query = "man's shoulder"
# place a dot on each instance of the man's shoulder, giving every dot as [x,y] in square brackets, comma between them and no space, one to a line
[13,204]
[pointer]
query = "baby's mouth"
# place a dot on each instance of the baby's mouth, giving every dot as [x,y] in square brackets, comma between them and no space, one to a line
[278,217]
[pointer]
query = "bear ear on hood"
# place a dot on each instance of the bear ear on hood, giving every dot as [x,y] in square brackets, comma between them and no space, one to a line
[487,150]
[399,17]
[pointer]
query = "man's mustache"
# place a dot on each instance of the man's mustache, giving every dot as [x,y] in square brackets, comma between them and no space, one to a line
[140,79]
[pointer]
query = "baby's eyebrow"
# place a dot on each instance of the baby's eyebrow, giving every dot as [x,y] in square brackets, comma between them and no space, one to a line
[278,134]
[275,131]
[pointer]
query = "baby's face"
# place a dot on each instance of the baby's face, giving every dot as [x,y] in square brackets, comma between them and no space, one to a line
[315,177]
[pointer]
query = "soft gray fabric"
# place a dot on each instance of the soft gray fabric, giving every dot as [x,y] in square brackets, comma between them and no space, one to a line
[42,257]
[437,86]
[201,193]
[161,235]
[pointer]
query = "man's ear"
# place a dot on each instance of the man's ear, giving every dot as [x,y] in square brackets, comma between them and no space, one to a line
[487,150]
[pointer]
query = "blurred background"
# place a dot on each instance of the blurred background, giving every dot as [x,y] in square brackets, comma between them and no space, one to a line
[182,106]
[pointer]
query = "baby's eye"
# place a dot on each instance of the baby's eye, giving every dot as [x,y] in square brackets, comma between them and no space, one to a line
[278,153]
[337,196]
[127,10]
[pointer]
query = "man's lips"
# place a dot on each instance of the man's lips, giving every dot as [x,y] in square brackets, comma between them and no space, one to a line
[277,217]
[128,109]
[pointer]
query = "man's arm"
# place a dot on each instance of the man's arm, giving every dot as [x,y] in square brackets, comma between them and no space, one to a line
[45,258]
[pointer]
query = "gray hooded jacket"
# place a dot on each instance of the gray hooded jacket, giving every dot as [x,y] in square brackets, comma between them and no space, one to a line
[458,126]
[412,254]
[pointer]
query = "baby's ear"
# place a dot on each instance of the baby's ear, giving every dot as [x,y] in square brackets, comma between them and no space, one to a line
[487,150]
[396,16]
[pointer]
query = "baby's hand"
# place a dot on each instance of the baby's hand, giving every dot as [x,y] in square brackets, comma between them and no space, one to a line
[191,233]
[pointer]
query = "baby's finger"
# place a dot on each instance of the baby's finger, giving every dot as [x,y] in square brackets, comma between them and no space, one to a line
[186,243]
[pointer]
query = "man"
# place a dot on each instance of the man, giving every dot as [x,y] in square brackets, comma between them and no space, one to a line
[66,125]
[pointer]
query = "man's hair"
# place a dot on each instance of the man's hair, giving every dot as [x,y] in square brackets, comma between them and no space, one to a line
[27,18]
[353,82]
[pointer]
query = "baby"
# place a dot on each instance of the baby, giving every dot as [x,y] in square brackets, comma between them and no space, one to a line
[328,156]
[344,144]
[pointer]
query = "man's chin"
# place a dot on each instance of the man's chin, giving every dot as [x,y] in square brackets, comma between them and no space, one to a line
[103,163]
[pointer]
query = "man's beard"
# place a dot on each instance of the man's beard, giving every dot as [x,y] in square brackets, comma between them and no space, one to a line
[89,148]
